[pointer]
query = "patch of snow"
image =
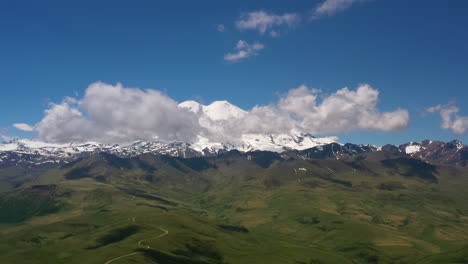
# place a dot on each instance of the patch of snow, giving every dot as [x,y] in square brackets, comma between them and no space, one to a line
[8,146]
[459,145]
[411,149]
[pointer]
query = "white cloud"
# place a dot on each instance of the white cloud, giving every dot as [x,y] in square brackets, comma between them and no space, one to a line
[241,54]
[275,25]
[244,50]
[221,28]
[343,111]
[23,127]
[266,22]
[110,113]
[330,7]
[450,119]
[271,23]
[301,110]
[115,114]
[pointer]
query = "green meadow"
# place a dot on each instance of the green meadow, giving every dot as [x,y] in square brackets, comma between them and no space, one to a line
[236,208]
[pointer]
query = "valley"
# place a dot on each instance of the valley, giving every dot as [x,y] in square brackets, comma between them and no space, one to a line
[254,207]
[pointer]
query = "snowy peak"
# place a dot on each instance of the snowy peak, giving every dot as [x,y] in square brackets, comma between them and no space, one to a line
[218,110]
[192,106]
[282,142]
[452,153]
[414,148]
[211,117]
[304,146]
[36,152]
[223,110]
[335,151]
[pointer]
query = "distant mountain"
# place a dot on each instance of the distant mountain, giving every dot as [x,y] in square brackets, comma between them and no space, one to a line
[218,110]
[331,203]
[305,146]
[213,118]
[294,144]
[279,198]
[39,153]
[451,153]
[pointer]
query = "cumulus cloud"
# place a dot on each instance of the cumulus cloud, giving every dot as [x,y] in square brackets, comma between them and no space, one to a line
[115,114]
[344,111]
[450,119]
[244,50]
[23,127]
[307,110]
[109,113]
[265,22]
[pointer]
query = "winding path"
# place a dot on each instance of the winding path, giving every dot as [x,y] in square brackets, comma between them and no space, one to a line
[140,243]
[121,257]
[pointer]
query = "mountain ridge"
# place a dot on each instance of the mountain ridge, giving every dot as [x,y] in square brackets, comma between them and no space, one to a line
[35,153]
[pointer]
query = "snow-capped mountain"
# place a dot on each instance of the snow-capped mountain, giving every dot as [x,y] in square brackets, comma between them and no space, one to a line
[334,151]
[36,152]
[450,153]
[211,117]
[218,110]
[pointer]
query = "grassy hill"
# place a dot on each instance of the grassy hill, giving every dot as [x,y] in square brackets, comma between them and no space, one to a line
[238,208]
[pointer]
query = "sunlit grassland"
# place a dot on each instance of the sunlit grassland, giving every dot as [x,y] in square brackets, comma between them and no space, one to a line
[239,212]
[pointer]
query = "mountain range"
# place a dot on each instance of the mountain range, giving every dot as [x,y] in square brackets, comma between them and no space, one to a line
[262,198]
[36,153]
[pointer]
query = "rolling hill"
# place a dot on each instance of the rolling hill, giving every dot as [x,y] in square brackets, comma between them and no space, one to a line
[329,204]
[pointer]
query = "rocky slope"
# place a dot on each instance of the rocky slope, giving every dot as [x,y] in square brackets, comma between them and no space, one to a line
[34,153]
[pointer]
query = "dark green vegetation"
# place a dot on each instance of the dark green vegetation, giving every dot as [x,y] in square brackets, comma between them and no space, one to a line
[115,236]
[257,207]
[33,201]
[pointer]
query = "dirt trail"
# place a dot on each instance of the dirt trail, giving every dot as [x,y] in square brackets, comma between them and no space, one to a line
[140,243]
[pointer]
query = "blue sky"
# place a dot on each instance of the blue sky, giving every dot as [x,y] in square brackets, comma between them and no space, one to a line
[414,52]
